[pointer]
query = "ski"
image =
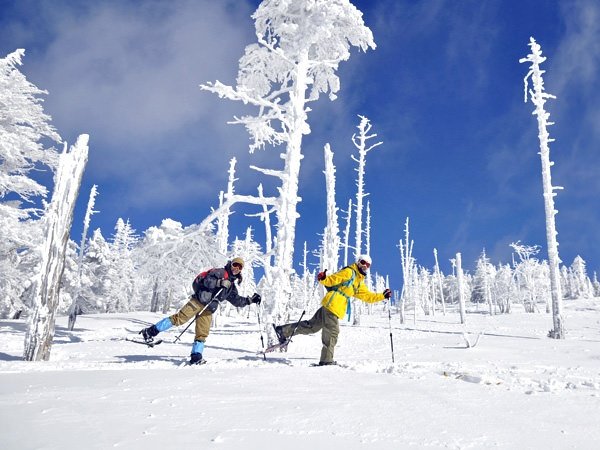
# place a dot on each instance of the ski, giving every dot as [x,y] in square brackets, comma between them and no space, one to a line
[336,364]
[147,344]
[282,347]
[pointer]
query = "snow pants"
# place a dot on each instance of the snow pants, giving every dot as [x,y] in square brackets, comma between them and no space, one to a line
[323,320]
[187,312]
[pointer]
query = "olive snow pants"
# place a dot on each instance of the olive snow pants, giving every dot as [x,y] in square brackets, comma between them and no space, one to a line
[188,311]
[323,320]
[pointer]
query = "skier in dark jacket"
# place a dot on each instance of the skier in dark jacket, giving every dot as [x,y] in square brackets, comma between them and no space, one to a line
[210,288]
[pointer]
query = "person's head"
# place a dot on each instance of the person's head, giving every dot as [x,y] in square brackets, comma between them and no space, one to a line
[237,264]
[363,262]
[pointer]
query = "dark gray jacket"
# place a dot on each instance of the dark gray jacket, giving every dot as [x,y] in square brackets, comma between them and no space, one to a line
[209,287]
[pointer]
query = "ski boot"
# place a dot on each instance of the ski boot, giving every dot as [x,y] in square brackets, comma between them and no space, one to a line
[149,333]
[279,332]
[196,359]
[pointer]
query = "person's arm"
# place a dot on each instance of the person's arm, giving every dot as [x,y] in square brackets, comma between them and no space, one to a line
[362,293]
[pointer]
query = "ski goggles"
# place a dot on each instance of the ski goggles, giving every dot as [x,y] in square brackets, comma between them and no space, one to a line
[237,265]
[362,262]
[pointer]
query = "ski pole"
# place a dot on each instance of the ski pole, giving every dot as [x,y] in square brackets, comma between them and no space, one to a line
[197,315]
[390,323]
[296,327]
[262,341]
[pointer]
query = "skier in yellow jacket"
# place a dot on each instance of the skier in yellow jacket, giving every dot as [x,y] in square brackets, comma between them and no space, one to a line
[341,286]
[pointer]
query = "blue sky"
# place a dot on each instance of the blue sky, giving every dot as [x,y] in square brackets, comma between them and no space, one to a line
[443,90]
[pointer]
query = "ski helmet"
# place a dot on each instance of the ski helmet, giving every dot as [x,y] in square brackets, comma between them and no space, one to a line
[365,258]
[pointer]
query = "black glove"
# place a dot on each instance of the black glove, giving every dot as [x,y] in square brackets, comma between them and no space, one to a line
[322,275]
[254,299]
[225,284]
[387,293]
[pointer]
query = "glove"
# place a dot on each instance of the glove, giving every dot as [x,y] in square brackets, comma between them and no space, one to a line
[322,275]
[387,293]
[255,299]
[225,284]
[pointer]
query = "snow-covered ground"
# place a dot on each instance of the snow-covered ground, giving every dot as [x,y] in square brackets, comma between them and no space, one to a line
[515,389]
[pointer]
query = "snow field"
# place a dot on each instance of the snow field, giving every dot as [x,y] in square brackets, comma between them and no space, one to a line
[514,389]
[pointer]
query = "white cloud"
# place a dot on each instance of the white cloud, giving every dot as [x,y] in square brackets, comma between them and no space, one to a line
[127,73]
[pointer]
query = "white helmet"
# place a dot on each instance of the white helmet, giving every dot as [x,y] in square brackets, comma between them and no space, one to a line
[365,258]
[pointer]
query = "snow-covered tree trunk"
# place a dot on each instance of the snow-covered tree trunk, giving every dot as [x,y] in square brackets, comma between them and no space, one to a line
[438,276]
[58,221]
[155,296]
[408,267]
[347,232]
[538,97]
[73,309]
[331,238]
[368,278]
[461,288]
[223,219]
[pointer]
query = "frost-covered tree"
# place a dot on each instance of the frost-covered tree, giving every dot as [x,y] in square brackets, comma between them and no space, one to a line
[300,44]
[120,282]
[461,288]
[408,271]
[566,283]
[223,219]
[96,261]
[250,251]
[596,285]
[57,225]
[73,309]
[367,245]
[504,288]
[439,282]
[538,97]
[582,286]
[23,125]
[169,257]
[346,244]
[526,273]
[483,283]
[331,238]
[362,144]
[23,128]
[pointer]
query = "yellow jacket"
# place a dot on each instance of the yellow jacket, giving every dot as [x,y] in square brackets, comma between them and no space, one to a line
[337,299]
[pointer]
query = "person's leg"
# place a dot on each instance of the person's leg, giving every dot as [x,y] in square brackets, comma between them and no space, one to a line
[179,318]
[203,322]
[329,336]
[187,311]
[310,326]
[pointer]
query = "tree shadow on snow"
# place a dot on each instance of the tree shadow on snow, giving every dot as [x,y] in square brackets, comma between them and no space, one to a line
[148,358]
[284,361]
[7,357]
[14,325]
[229,349]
